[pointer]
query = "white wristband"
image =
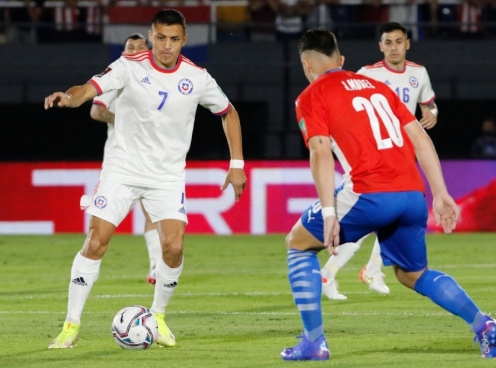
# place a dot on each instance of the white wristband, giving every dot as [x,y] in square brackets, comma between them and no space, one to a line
[237,164]
[328,211]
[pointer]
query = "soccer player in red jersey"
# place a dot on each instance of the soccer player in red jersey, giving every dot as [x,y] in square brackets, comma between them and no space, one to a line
[376,140]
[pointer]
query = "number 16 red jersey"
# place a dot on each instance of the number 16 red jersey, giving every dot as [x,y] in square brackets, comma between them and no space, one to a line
[364,119]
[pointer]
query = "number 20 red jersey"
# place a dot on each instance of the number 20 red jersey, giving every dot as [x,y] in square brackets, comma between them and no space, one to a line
[364,119]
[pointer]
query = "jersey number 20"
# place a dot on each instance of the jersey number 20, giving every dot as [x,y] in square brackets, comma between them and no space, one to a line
[378,105]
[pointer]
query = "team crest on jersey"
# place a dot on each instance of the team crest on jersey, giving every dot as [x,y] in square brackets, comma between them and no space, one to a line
[100,202]
[185,86]
[414,82]
[104,72]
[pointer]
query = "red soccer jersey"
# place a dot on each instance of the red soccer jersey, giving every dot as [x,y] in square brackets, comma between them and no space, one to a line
[364,119]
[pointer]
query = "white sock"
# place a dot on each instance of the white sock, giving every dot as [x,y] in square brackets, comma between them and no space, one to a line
[167,279]
[335,263]
[375,261]
[152,241]
[84,273]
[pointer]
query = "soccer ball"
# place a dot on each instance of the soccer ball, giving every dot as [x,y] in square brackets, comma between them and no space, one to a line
[134,327]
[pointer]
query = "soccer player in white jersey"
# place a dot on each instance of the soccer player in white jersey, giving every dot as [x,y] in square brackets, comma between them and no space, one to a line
[103,110]
[158,92]
[411,83]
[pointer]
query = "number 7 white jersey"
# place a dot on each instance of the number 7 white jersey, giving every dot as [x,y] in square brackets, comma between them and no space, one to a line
[412,84]
[155,113]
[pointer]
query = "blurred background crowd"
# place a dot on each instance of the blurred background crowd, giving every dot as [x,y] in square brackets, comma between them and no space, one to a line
[249,46]
[257,20]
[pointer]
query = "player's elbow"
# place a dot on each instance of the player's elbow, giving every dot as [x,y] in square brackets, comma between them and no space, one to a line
[94,115]
[96,112]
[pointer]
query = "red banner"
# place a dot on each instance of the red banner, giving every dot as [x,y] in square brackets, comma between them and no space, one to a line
[43,198]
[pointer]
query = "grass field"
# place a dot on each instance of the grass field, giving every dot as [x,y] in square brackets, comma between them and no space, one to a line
[233,306]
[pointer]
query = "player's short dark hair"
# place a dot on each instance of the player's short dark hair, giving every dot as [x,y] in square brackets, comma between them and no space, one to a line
[169,17]
[136,36]
[393,26]
[320,40]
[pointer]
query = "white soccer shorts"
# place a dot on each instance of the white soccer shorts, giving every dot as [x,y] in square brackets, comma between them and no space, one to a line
[113,201]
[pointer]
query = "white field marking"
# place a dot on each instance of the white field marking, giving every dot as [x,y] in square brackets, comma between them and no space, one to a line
[352,314]
[178,295]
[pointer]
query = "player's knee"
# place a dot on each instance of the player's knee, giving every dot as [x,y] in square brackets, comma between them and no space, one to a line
[289,240]
[407,278]
[94,247]
[172,244]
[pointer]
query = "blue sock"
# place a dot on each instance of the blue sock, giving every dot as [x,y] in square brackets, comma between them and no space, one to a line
[443,290]
[306,284]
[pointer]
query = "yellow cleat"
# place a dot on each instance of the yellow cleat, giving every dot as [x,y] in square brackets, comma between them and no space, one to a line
[67,338]
[164,337]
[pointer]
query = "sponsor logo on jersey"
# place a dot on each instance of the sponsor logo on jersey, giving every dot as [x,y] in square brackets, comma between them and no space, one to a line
[101,202]
[182,210]
[185,86]
[387,82]
[414,82]
[104,72]
[146,81]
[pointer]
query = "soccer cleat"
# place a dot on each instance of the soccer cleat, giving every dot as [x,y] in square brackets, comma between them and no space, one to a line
[330,289]
[486,335]
[306,350]
[151,278]
[67,338]
[164,336]
[375,281]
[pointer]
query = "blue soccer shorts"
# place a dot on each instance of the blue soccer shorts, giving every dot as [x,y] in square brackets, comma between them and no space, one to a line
[398,218]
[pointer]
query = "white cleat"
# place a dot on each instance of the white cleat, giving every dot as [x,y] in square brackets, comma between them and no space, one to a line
[375,281]
[330,289]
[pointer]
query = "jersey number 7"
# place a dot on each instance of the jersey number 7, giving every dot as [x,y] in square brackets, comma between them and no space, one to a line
[378,105]
[164,94]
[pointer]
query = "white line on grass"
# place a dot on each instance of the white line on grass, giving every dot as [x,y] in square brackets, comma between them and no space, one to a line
[352,314]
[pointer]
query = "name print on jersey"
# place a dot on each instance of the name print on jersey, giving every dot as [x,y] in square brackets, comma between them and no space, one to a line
[356,84]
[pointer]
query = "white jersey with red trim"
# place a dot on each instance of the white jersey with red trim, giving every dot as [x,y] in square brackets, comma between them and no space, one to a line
[155,113]
[412,84]
[107,100]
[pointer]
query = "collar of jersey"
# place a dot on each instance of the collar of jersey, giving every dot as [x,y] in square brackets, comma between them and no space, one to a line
[164,70]
[332,71]
[393,70]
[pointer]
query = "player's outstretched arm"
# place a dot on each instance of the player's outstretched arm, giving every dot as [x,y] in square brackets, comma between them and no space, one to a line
[102,114]
[232,129]
[445,209]
[429,115]
[73,97]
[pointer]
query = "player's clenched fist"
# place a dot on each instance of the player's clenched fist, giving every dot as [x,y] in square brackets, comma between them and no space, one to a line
[57,99]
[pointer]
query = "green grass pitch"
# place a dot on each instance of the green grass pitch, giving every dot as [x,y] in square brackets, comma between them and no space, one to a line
[233,306]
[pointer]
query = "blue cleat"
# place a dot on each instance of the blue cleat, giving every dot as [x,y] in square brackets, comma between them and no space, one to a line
[306,350]
[486,335]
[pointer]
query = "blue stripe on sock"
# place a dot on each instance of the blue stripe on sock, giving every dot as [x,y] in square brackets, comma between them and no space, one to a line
[306,284]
